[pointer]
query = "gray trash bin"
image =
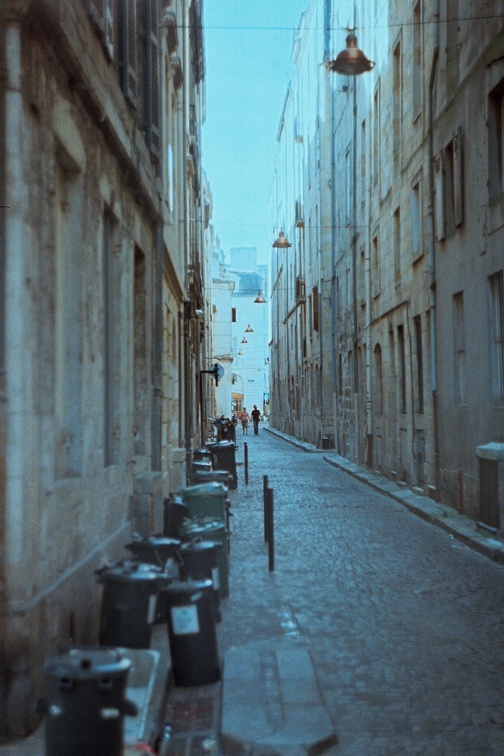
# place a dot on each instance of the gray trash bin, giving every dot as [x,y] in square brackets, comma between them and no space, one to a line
[85,702]
[199,561]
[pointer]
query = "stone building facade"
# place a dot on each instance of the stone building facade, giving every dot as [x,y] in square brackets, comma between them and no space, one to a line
[400,184]
[100,277]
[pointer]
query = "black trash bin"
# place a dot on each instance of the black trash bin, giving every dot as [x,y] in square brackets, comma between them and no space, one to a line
[224,458]
[175,511]
[85,702]
[192,632]
[199,561]
[129,603]
[156,549]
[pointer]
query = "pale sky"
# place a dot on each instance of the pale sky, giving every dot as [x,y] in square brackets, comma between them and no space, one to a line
[248,46]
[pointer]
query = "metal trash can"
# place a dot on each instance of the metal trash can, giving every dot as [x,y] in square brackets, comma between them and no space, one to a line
[206,500]
[202,453]
[175,511]
[129,603]
[224,458]
[192,632]
[214,476]
[326,442]
[212,530]
[199,561]
[156,549]
[85,702]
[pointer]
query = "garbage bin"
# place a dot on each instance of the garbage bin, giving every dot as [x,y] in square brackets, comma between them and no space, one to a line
[202,453]
[85,702]
[224,458]
[192,632]
[212,530]
[213,476]
[201,465]
[156,549]
[129,603]
[206,500]
[175,511]
[199,561]
[326,442]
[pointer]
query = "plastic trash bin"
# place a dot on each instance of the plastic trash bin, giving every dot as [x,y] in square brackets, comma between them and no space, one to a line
[224,458]
[212,530]
[85,702]
[199,561]
[192,632]
[129,603]
[206,500]
[175,511]
[156,549]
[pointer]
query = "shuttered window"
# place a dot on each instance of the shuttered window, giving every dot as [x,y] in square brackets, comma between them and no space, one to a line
[151,75]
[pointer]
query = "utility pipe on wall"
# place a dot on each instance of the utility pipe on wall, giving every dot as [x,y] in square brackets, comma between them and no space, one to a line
[432,249]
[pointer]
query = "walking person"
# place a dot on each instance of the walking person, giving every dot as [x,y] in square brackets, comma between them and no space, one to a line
[244,421]
[256,416]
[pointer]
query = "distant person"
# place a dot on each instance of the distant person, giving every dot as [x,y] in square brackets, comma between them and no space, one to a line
[244,421]
[256,416]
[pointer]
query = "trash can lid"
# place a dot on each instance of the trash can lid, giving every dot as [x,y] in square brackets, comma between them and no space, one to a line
[200,546]
[205,489]
[220,444]
[127,571]
[153,541]
[188,586]
[87,663]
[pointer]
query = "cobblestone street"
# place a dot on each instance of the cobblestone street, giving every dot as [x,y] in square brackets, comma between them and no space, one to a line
[403,623]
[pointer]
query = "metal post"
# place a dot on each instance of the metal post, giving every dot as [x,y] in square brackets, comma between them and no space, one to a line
[265,500]
[271,534]
[245,459]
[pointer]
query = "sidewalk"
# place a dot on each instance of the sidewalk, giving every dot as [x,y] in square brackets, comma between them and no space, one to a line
[462,528]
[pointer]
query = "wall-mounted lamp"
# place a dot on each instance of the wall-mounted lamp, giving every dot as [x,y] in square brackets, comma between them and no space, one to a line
[259,299]
[282,242]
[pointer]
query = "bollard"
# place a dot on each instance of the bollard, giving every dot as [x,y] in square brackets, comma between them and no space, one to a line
[265,500]
[271,532]
[245,459]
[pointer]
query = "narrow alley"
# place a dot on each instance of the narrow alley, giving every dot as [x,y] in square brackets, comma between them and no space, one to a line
[400,619]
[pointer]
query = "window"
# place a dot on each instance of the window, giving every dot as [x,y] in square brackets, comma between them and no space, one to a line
[453,205]
[376,137]
[402,367]
[375,262]
[397,99]
[495,141]
[497,337]
[459,348]
[348,186]
[416,220]
[128,69]
[233,314]
[419,364]
[112,334]
[378,386]
[397,246]
[315,300]
[68,318]
[417,59]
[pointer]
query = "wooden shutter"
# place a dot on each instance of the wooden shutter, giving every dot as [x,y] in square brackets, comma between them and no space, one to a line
[130,76]
[458,178]
[440,198]
[152,87]
[102,13]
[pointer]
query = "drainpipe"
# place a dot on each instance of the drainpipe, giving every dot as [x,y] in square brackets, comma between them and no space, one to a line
[367,284]
[185,240]
[354,273]
[432,251]
[156,450]
[334,354]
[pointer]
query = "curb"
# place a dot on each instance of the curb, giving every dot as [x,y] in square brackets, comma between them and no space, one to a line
[462,528]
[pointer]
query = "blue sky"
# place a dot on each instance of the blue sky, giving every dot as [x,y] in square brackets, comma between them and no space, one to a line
[248,45]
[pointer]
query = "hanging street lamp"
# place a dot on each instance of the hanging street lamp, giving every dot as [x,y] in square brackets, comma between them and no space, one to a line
[351,61]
